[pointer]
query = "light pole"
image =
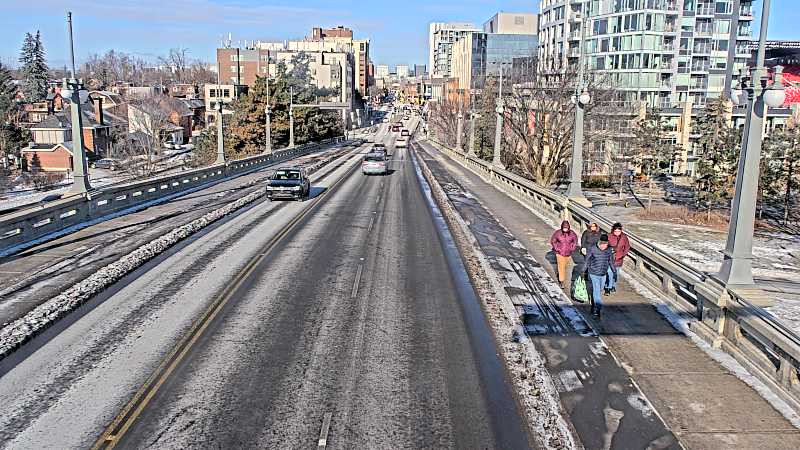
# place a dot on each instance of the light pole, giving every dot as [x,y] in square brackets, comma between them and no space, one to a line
[498,130]
[580,99]
[291,117]
[268,112]
[459,128]
[220,137]
[737,268]
[72,88]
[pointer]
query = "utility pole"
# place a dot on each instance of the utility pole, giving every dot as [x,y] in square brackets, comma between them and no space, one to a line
[737,265]
[73,89]
[471,150]
[459,127]
[581,99]
[267,111]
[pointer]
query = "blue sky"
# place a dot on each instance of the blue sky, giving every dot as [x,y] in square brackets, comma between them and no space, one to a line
[148,28]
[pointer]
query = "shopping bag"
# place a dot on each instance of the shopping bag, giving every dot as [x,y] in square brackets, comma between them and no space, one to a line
[579,291]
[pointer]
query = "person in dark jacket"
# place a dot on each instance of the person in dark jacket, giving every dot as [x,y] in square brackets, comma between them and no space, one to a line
[590,237]
[599,259]
[564,242]
[621,245]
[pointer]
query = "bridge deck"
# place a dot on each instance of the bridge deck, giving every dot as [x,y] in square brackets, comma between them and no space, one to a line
[701,402]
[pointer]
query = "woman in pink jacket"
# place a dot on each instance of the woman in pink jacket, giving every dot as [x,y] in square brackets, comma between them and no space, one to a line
[564,242]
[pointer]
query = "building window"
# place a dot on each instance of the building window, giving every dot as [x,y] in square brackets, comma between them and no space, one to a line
[519,20]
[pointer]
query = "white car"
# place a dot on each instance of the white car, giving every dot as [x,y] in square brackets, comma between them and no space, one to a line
[401,142]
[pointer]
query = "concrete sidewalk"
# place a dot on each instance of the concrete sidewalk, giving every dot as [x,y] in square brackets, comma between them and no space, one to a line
[703,404]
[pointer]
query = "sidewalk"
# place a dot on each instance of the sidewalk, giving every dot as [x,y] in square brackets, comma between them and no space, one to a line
[704,405]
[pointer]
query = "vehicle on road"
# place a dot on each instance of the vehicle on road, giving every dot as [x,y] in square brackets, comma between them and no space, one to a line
[106,163]
[375,163]
[289,183]
[404,132]
[401,142]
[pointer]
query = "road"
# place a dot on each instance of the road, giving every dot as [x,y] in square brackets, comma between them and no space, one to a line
[343,317]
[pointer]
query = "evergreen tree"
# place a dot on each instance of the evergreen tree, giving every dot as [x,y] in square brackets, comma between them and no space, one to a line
[653,153]
[8,92]
[246,131]
[34,69]
[12,137]
[36,163]
[780,168]
[718,144]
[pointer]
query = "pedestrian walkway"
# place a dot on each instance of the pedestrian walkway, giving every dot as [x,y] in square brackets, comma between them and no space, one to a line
[702,403]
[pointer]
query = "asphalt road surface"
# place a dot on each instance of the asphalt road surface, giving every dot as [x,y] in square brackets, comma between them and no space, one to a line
[338,322]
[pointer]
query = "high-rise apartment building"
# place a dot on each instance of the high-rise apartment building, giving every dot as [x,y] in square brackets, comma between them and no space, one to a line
[662,52]
[381,71]
[419,70]
[512,23]
[402,71]
[441,37]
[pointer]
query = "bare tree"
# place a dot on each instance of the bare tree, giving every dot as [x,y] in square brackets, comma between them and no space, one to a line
[540,119]
[178,61]
[444,120]
[149,124]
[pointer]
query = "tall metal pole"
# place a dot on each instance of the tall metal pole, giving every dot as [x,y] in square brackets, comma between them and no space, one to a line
[737,267]
[267,111]
[575,189]
[459,128]
[291,117]
[471,150]
[498,130]
[74,86]
[220,135]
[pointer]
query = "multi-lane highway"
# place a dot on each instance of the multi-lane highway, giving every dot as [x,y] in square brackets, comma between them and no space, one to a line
[338,322]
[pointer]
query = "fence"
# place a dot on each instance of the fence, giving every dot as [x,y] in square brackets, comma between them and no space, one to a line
[58,217]
[725,319]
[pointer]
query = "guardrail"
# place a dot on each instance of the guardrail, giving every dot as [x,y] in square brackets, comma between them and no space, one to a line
[724,318]
[58,217]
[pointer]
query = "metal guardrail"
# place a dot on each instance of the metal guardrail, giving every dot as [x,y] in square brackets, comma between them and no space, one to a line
[32,224]
[725,318]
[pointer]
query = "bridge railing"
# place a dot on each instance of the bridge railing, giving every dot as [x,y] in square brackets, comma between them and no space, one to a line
[726,319]
[30,225]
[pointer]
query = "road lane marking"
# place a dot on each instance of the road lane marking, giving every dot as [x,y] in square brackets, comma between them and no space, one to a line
[357,281]
[323,433]
[126,418]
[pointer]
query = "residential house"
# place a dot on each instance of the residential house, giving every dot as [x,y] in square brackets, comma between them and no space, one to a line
[52,137]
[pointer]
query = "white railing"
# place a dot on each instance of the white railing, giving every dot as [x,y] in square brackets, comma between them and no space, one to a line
[58,217]
[724,318]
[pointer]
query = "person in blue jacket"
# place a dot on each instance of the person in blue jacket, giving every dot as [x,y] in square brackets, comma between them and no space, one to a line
[599,259]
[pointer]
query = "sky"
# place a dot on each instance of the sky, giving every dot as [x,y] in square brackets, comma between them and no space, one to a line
[149,28]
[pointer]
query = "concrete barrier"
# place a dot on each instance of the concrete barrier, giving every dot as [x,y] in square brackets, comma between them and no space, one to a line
[724,318]
[31,225]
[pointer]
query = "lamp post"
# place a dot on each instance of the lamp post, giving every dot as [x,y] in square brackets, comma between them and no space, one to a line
[459,128]
[737,268]
[220,137]
[580,99]
[291,118]
[268,112]
[73,89]
[498,130]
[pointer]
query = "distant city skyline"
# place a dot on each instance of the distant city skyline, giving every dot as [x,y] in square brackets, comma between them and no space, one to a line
[398,33]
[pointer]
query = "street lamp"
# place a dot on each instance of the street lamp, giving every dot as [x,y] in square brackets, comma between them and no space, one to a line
[459,128]
[220,137]
[580,99]
[73,89]
[268,112]
[498,130]
[737,267]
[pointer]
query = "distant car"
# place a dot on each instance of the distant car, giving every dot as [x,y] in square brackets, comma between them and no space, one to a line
[401,142]
[106,163]
[385,120]
[375,163]
[289,183]
[404,132]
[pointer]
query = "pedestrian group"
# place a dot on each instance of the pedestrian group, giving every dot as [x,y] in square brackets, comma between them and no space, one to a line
[603,257]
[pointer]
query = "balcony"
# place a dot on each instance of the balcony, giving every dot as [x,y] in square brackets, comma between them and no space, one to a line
[746,12]
[704,31]
[705,11]
[574,35]
[702,50]
[574,53]
[700,67]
